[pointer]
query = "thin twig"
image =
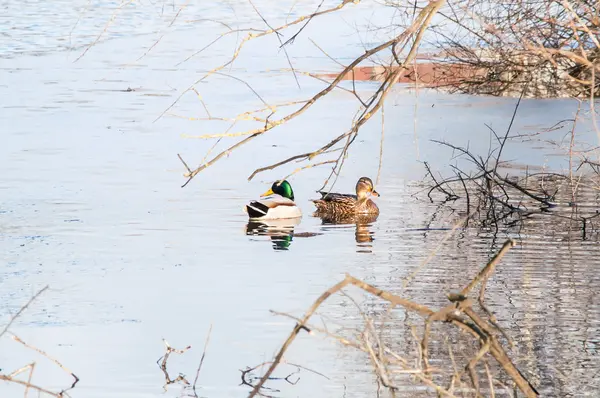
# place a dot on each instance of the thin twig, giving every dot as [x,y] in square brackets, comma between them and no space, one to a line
[23,308]
[201,359]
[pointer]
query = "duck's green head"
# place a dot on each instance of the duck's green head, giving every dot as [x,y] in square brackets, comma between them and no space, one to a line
[282,188]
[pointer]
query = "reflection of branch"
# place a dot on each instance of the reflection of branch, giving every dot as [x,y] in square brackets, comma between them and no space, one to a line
[447,236]
[23,308]
[201,360]
[163,365]
[163,35]
[489,269]
[248,379]
[108,23]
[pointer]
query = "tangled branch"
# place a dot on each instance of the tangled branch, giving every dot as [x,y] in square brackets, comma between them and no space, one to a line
[459,313]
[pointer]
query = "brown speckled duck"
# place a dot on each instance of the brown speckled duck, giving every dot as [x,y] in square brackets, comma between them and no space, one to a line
[337,204]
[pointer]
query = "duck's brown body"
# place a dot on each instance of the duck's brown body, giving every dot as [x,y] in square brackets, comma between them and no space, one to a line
[337,205]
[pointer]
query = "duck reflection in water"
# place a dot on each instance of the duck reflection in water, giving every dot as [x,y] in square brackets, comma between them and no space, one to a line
[280,231]
[363,233]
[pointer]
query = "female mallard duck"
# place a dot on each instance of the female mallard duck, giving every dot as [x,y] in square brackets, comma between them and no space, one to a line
[337,204]
[279,203]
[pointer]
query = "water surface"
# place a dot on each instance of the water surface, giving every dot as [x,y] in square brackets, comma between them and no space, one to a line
[91,204]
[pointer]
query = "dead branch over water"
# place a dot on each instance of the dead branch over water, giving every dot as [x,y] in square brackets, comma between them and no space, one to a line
[459,313]
[30,368]
[409,39]
[547,48]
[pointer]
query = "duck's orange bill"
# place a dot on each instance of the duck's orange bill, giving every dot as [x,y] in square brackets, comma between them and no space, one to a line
[375,193]
[269,192]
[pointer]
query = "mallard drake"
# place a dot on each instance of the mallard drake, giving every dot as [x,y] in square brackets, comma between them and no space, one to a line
[338,204]
[278,203]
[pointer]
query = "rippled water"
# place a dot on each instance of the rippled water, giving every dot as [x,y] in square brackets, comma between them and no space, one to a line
[91,204]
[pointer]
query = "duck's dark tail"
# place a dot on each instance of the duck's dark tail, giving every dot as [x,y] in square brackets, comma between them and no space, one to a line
[257,209]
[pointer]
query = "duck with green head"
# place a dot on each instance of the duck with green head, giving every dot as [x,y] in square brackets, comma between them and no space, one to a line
[278,203]
[339,205]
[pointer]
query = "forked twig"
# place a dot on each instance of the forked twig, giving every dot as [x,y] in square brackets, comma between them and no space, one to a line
[163,365]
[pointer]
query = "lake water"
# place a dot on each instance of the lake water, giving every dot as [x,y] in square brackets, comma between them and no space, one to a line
[91,204]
